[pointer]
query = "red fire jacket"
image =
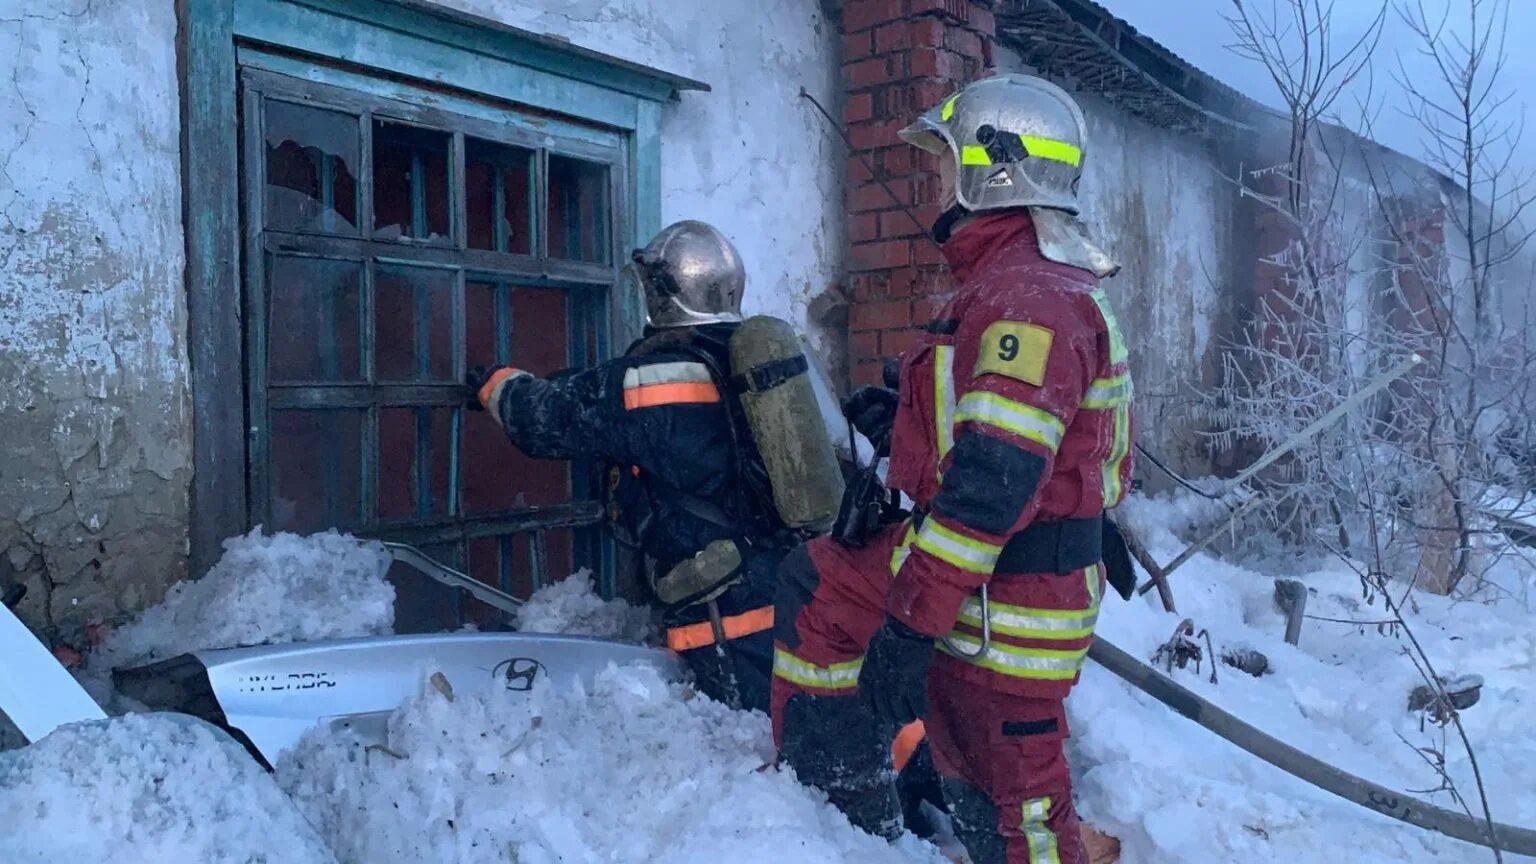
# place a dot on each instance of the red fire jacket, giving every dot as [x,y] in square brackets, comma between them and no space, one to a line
[1015,408]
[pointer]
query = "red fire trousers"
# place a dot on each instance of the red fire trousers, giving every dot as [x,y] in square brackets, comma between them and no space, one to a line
[998,749]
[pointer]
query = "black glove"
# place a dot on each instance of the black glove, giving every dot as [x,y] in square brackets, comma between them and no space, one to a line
[475,379]
[894,679]
[872,411]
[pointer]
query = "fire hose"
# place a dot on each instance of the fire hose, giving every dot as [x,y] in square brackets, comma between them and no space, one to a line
[1398,805]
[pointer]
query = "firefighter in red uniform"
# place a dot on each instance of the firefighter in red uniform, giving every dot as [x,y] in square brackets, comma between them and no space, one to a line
[1011,434]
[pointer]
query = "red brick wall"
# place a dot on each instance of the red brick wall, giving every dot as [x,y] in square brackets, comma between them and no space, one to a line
[900,57]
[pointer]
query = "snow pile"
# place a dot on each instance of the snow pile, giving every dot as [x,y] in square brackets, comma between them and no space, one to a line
[1175,793]
[572,607]
[632,771]
[265,590]
[142,788]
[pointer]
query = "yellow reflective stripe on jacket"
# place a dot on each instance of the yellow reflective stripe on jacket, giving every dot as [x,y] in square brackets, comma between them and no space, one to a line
[1093,574]
[1117,350]
[974,556]
[1041,664]
[944,399]
[838,676]
[1038,836]
[1109,392]
[1027,623]
[1025,421]
[1119,448]
[903,550]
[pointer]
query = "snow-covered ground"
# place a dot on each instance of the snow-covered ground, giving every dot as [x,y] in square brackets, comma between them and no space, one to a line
[1175,793]
[636,769]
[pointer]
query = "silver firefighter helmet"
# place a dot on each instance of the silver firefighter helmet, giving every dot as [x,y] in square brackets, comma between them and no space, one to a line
[691,274]
[1016,141]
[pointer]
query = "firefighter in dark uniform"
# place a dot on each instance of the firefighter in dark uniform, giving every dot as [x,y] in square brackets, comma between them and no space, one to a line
[684,479]
[692,485]
[1011,434]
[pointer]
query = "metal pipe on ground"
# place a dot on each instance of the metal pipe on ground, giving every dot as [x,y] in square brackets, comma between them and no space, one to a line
[1398,805]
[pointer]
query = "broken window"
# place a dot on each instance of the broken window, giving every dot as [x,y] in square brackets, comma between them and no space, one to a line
[394,245]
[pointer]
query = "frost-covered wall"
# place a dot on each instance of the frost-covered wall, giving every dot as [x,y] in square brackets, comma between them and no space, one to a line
[750,156]
[1161,204]
[94,408]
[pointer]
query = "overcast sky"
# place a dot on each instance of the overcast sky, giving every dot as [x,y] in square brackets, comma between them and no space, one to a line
[1197,32]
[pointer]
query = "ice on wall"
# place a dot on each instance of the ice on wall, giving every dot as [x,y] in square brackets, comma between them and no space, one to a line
[266,589]
[572,607]
[147,788]
[632,771]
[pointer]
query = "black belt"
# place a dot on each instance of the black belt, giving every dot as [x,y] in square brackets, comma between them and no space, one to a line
[1063,546]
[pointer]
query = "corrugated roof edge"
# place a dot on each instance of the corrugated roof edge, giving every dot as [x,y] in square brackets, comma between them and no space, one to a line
[1095,40]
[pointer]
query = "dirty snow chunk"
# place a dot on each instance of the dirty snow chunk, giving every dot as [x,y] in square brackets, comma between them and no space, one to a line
[142,788]
[631,772]
[266,590]
[572,607]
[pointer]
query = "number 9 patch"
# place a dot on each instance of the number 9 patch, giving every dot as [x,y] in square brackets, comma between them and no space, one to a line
[1015,349]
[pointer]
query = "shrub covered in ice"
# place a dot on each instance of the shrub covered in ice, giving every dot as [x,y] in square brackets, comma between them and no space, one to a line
[142,788]
[266,589]
[631,771]
[572,607]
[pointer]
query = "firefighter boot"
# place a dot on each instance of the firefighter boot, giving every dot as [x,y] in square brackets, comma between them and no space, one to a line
[835,745]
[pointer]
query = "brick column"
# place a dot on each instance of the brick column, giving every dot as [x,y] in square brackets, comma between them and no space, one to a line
[900,57]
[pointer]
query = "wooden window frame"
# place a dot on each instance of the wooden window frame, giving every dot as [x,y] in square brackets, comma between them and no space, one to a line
[415,44]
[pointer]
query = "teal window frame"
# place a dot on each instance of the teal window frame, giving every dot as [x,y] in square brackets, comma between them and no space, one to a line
[394,44]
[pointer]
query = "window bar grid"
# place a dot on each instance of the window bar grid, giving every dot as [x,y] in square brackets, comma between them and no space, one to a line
[505,552]
[538,559]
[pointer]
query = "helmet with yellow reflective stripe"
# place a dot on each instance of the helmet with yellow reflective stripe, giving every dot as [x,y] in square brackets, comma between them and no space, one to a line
[1015,141]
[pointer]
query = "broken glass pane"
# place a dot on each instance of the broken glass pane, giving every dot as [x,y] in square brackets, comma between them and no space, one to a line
[499,196]
[314,332]
[517,480]
[414,456]
[413,324]
[518,564]
[486,337]
[316,470]
[579,213]
[540,330]
[422,604]
[410,182]
[312,157]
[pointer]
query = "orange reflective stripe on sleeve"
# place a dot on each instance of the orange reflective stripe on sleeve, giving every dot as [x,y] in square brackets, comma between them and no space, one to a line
[676,383]
[652,395]
[488,389]
[906,743]
[691,636]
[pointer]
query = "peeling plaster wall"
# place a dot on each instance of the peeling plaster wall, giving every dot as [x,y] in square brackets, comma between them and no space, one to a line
[1160,203]
[750,157]
[94,409]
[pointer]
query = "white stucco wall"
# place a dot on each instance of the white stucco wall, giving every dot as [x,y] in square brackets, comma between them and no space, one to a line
[94,410]
[750,157]
[1160,203]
